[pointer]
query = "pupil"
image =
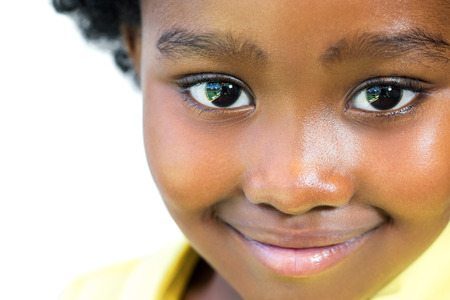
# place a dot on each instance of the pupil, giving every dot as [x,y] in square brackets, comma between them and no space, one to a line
[384,97]
[222,94]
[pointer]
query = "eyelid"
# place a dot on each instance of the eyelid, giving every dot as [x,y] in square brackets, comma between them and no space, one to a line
[189,80]
[412,84]
[416,85]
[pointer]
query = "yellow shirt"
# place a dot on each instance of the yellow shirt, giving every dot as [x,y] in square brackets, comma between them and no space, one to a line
[164,277]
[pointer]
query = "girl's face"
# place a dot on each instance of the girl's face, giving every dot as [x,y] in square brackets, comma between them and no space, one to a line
[301,146]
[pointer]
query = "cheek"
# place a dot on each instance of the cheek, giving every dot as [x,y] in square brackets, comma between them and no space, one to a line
[193,166]
[407,172]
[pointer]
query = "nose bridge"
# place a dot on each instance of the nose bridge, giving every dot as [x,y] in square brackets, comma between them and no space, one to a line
[302,164]
[324,144]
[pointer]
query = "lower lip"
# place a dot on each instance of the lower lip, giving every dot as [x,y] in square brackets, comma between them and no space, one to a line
[304,261]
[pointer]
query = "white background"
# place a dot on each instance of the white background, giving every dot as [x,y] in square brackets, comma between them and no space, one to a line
[75,191]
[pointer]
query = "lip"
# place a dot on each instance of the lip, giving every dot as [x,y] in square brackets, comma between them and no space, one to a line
[303,261]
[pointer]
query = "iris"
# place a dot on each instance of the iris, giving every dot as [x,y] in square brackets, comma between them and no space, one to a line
[222,94]
[384,97]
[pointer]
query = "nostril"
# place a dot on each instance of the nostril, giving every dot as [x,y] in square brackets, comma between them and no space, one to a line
[320,208]
[297,191]
[267,207]
[324,208]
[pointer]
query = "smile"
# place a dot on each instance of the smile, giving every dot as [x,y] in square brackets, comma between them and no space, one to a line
[301,261]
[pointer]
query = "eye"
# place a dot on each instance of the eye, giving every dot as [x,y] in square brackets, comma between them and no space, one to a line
[383,98]
[216,94]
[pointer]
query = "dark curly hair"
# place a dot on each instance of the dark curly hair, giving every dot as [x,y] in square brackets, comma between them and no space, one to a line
[100,21]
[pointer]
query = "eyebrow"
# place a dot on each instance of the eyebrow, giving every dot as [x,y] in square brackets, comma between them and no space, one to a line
[179,43]
[429,46]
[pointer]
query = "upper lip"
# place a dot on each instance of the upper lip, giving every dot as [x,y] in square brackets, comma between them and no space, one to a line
[302,239]
[318,228]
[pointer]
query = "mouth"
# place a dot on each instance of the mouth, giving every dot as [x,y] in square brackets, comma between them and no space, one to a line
[302,261]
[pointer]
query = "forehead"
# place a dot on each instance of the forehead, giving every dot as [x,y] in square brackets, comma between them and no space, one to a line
[295,24]
[249,12]
[300,30]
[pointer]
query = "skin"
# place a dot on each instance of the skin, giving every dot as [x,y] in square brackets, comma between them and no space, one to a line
[298,159]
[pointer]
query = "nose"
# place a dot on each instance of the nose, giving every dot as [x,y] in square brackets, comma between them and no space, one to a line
[298,168]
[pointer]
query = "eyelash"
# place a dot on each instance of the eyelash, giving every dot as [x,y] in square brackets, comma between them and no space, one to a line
[405,83]
[190,80]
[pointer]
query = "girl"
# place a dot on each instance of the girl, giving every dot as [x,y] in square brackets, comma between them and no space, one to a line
[301,146]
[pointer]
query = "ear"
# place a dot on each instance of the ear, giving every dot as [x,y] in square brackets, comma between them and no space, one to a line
[131,36]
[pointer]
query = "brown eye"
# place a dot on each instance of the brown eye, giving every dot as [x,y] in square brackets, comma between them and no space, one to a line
[219,95]
[382,98]
[222,94]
